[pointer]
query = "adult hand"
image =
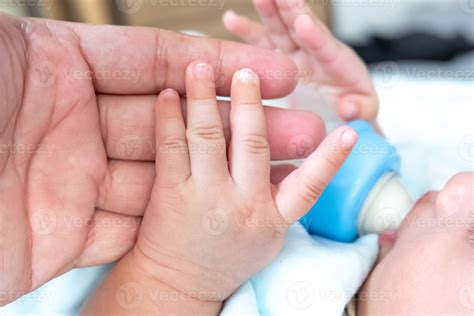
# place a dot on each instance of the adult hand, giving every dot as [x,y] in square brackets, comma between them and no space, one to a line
[329,65]
[76,118]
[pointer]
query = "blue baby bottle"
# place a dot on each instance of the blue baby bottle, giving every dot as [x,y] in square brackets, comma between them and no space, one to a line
[365,196]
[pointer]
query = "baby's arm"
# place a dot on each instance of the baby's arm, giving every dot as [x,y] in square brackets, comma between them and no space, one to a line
[214,218]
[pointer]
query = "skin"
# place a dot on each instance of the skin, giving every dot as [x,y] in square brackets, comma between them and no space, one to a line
[435,274]
[77,142]
[208,201]
[325,63]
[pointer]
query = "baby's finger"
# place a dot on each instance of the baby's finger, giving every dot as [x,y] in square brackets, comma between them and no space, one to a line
[172,157]
[111,236]
[250,32]
[250,157]
[357,106]
[289,10]
[277,30]
[128,128]
[205,132]
[298,192]
[342,63]
[127,187]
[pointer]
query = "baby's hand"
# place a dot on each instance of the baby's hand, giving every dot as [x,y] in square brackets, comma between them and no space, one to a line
[332,67]
[214,219]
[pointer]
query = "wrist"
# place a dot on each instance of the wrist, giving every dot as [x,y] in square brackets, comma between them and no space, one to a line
[130,289]
[189,285]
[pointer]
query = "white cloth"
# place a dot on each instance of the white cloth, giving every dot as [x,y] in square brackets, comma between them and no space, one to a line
[311,276]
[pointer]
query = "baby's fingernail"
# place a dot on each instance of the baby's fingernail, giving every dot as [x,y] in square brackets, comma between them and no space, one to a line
[202,71]
[306,19]
[229,14]
[349,138]
[247,76]
[350,110]
[170,94]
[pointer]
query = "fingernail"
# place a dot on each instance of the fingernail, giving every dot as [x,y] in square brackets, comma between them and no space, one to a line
[349,138]
[247,76]
[203,71]
[350,110]
[229,14]
[306,19]
[170,94]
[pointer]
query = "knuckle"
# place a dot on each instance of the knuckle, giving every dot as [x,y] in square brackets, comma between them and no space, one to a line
[202,101]
[312,190]
[330,157]
[173,145]
[206,132]
[256,144]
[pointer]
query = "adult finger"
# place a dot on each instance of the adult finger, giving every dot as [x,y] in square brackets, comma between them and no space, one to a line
[128,128]
[127,186]
[139,60]
[110,237]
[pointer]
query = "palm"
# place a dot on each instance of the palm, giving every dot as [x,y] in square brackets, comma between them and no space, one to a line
[55,160]
[334,80]
[72,191]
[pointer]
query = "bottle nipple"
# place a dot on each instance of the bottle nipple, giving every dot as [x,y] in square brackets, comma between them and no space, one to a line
[385,207]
